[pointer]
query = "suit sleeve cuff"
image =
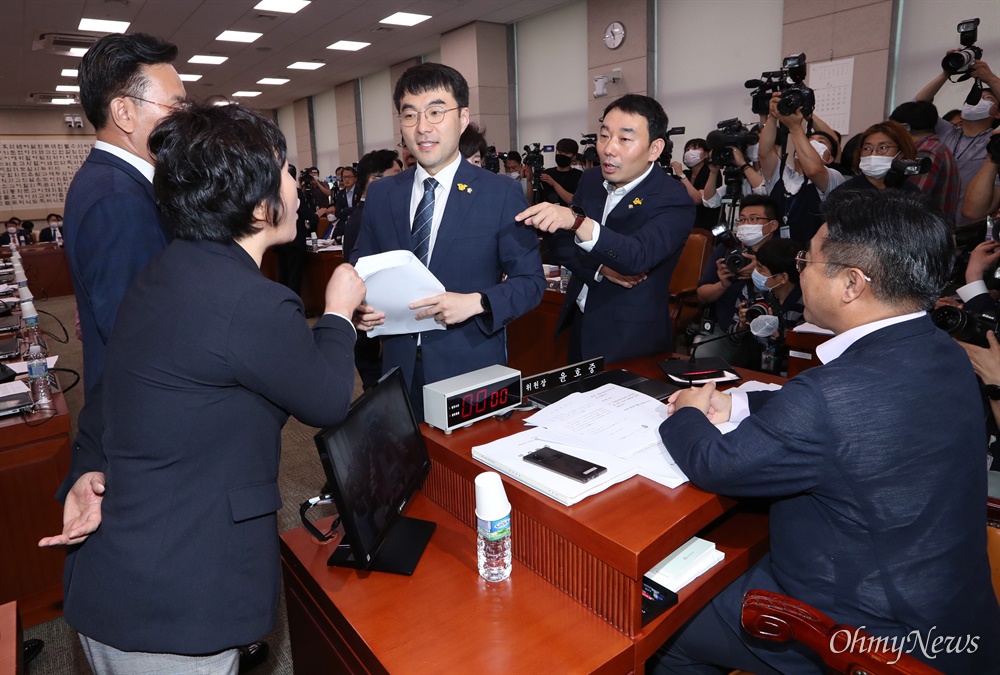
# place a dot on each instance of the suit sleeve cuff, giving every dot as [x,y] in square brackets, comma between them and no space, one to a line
[588,246]
[349,323]
[740,409]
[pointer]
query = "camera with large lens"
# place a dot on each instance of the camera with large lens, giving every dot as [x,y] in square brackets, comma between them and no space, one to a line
[759,308]
[796,95]
[305,178]
[735,260]
[588,139]
[961,61]
[533,157]
[727,135]
[760,97]
[491,162]
[965,326]
[902,169]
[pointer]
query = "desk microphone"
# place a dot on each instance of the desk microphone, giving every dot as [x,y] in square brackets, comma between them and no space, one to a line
[762,326]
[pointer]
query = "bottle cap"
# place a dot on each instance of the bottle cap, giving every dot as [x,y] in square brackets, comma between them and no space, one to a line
[35,349]
[491,499]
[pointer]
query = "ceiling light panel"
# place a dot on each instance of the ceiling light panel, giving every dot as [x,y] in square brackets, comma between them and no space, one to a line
[405,19]
[306,65]
[189,77]
[283,6]
[238,36]
[103,26]
[273,80]
[209,60]
[348,45]
[69,72]
[246,94]
[68,87]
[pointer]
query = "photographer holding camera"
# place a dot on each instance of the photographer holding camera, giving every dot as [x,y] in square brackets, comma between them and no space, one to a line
[942,185]
[726,284]
[776,280]
[694,175]
[802,183]
[726,158]
[877,155]
[518,171]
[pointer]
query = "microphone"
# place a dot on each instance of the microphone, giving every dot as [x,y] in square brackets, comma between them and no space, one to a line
[762,326]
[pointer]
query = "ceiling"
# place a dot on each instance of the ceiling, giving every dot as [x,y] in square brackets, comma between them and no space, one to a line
[194,24]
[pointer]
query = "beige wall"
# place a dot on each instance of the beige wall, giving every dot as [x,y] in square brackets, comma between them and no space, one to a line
[348,131]
[479,51]
[632,56]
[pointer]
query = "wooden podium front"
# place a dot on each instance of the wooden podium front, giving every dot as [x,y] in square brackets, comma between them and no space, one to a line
[592,554]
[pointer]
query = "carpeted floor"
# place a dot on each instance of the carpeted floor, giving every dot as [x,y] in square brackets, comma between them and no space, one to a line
[301,476]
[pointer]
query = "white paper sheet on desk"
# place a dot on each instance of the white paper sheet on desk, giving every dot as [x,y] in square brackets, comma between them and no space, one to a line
[506,455]
[610,419]
[811,328]
[394,279]
[21,367]
[13,388]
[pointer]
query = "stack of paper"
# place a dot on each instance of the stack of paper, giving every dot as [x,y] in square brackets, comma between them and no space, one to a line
[393,280]
[686,564]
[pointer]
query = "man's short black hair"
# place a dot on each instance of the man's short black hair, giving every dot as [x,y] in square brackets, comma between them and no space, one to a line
[473,140]
[771,208]
[919,116]
[351,169]
[514,155]
[568,146]
[650,108]
[903,246]
[53,215]
[113,67]
[834,143]
[428,77]
[778,256]
[951,115]
[214,165]
[27,226]
[374,163]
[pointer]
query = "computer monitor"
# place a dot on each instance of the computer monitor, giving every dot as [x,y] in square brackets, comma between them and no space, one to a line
[375,461]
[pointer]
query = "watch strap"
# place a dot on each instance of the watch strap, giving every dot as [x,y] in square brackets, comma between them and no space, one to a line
[580,217]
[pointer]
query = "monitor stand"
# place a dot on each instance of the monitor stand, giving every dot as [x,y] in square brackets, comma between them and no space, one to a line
[398,554]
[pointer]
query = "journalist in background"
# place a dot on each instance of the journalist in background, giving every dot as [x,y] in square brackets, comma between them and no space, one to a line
[873,462]
[206,361]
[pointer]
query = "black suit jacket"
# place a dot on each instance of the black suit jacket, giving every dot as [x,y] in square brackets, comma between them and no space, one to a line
[46,234]
[875,465]
[342,210]
[645,232]
[207,360]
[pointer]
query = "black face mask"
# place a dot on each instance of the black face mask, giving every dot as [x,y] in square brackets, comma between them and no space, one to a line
[563,161]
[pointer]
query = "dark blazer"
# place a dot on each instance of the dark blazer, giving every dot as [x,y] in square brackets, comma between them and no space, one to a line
[876,467]
[341,208]
[477,244]
[621,323]
[46,234]
[112,229]
[207,360]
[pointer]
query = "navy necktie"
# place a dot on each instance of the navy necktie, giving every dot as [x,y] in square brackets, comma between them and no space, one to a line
[420,235]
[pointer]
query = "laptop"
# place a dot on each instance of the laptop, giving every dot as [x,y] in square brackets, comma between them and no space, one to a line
[9,323]
[16,404]
[10,347]
[661,391]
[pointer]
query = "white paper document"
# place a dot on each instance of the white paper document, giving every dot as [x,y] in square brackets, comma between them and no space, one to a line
[21,367]
[686,564]
[811,328]
[394,279]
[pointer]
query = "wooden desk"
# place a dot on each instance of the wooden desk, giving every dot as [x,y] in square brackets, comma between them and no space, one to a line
[595,552]
[46,268]
[802,350]
[531,344]
[319,269]
[34,456]
[11,641]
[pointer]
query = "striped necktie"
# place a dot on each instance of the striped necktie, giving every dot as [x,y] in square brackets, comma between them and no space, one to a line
[420,236]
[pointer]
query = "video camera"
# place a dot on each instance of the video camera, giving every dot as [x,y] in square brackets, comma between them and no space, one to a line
[666,155]
[729,134]
[789,81]
[962,60]
[588,139]
[965,326]
[491,162]
[902,169]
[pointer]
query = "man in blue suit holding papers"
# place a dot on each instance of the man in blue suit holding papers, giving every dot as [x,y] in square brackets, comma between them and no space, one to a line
[874,461]
[458,219]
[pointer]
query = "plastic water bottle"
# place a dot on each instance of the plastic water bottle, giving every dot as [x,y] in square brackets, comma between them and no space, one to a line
[38,376]
[493,526]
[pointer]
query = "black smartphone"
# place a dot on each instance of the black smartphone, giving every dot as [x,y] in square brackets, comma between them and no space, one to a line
[566,465]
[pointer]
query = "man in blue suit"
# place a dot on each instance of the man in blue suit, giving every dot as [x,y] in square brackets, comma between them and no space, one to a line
[459,220]
[873,462]
[621,239]
[113,227]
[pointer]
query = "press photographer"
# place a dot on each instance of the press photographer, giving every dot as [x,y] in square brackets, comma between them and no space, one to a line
[561,181]
[884,157]
[941,184]
[730,176]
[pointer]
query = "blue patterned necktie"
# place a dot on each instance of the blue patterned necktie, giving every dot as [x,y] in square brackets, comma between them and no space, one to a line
[420,236]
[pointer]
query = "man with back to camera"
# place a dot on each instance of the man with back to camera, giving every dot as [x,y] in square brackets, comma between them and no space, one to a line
[459,220]
[560,183]
[877,479]
[621,239]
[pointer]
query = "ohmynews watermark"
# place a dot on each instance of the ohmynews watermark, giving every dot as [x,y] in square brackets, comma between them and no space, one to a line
[930,645]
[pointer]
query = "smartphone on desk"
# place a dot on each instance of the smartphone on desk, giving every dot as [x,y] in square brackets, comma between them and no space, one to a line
[566,465]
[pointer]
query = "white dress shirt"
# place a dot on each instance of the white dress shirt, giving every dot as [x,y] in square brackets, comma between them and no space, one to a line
[445,179]
[144,167]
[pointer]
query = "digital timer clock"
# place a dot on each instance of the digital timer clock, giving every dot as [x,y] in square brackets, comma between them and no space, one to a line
[461,400]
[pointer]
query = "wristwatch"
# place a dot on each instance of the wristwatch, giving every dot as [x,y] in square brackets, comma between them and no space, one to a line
[580,217]
[992,391]
[745,167]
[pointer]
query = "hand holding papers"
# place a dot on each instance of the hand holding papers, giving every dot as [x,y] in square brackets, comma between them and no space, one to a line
[394,279]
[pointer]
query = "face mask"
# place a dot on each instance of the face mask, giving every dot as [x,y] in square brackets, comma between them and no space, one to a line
[514,174]
[750,234]
[760,281]
[822,150]
[562,161]
[874,166]
[753,152]
[980,111]
[692,157]
[12,230]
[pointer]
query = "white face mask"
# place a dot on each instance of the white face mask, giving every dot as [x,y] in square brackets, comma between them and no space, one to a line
[874,166]
[822,150]
[980,111]
[751,235]
[12,230]
[693,156]
[514,174]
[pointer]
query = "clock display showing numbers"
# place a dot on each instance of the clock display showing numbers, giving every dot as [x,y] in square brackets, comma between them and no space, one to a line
[483,401]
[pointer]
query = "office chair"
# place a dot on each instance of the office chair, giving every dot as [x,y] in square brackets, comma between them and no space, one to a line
[776,617]
[684,282]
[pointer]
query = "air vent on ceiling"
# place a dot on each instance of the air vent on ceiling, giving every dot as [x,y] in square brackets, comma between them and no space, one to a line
[49,96]
[381,29]
[63,44]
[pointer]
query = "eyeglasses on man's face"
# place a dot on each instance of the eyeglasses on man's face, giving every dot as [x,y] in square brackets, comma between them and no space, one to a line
[752,220]
[881,149]
[173,107]
[433,114]
[801,261]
